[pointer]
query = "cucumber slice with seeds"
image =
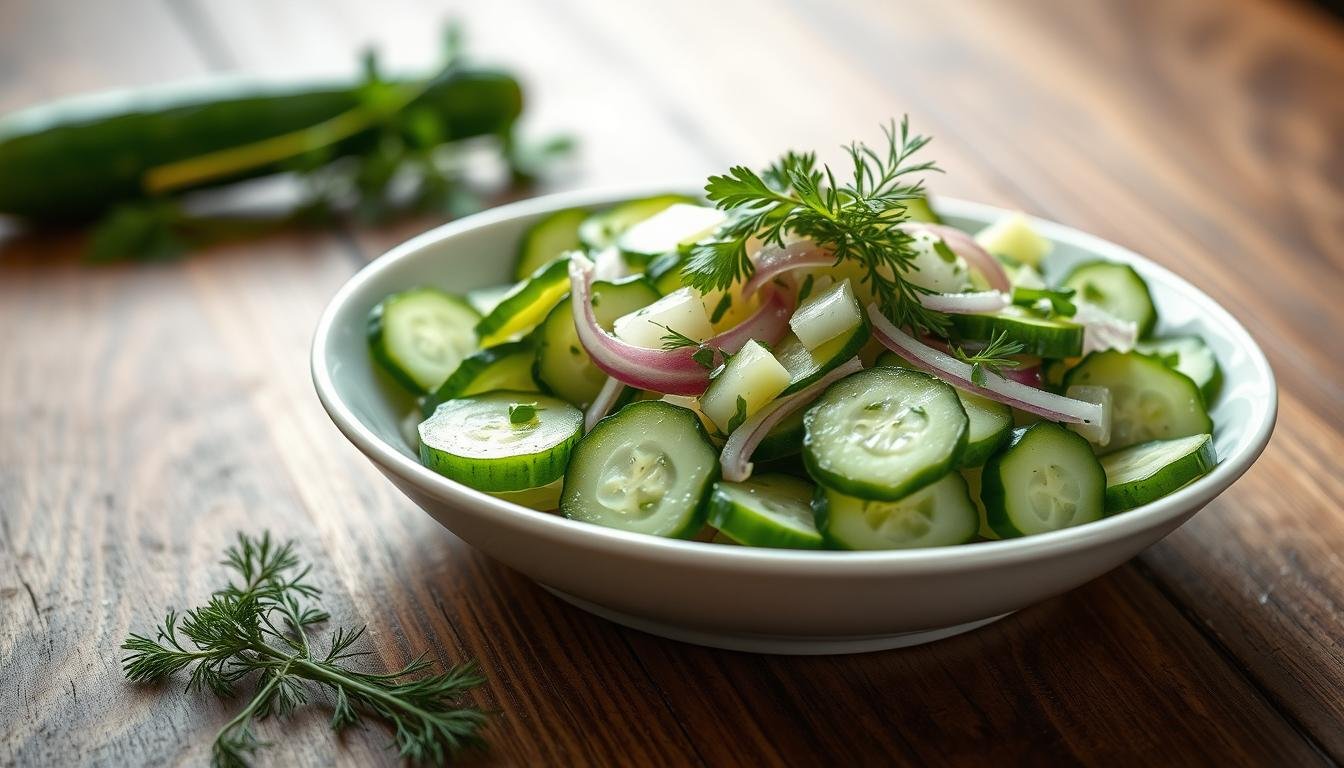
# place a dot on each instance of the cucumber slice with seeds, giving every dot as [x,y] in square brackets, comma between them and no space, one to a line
[526,305]
[1115,288]
[419,336]
[1149,401]
[478,442]
[1148,471]
[1045,479]
[548,239]
[940,514]
[1046,337]
[646,469]
[766,511]
[1191,356]
[505,366]
[884,433]
[601,230]
[562,364]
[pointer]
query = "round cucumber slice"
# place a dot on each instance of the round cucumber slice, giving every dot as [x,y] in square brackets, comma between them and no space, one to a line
[938,515]
[645,469]
[1115,288]
[766,511]
[1147,472]
[806,366]
[548,239]
[1045,479]
[545,498]
[477,441]
[526,304]
[1041,336]
[990,424]
[419,336]
[506,366]
[1149,401]
[601,230]
[884,433]
[1191,356]
[562,364]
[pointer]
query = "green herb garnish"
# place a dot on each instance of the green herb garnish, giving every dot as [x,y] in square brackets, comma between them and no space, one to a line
[1058,298]
[993,358]
[739,415]
[259,628]
[705,356]
[522,413]
[856,219]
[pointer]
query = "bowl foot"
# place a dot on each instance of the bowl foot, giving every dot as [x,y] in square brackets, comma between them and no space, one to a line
[788,645]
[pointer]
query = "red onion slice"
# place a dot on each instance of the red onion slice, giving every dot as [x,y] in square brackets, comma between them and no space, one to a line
[775,261]
[736,457]
[1013,393]
[670,371]
[965,303]
[965,246]
[602,403]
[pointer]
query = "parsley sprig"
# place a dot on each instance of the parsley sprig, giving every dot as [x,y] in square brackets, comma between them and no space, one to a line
[855,218]
[258,628]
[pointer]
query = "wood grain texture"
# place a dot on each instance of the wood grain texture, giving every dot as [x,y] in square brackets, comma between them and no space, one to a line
[147,412]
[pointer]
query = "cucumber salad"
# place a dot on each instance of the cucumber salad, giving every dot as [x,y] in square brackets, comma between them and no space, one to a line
[803,360]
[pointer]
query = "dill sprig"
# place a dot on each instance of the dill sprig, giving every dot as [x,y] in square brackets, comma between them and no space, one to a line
[258,626]
[705,356]
[856,219]
[994,357]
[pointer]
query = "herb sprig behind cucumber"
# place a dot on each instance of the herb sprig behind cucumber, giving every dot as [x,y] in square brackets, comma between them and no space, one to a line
[257,629]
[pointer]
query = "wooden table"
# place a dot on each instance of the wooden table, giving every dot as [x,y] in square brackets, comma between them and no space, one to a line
[148,411]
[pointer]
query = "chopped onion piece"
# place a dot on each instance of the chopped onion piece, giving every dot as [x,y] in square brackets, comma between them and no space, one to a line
[1103,331]
[1013,393]
[736,457]
[1097,434]
[826,315]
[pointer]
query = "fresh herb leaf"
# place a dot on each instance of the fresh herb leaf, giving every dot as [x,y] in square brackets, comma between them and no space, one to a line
[674,339]
[1058,298]
[856,219]
[705,356]
[522,413]
[994,357]
[721,308]
[257,627]
[944,251]
[739,415]
[1092,294]
[805,289]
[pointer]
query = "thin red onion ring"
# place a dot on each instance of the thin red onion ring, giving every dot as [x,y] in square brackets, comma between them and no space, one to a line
[776,260]
[602,403]
[670,371]
[735,459]
[1013,393]
[965,303]
[965,246]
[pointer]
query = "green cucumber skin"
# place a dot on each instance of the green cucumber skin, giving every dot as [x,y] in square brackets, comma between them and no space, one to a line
[1078,274]
[857,338]
[380,355]
[722,510]
[526,262]
[1061,341]
[1123,498]
[512,304]
[993,494]
[821,508]
[469,369]
[72,160]
[1092,370]
[507,474]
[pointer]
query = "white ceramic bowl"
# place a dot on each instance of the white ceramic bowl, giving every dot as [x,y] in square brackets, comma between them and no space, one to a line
[764,600]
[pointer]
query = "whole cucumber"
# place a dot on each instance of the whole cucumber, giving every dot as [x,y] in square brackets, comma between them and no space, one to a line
[74,159]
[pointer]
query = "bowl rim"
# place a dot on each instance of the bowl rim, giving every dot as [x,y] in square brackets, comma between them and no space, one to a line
[849,563]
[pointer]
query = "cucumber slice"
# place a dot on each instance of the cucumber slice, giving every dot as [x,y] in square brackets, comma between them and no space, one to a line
[544,498]
[919,209]
[1045,479]
[475,441]
[548,239]
[1037,335]
[989,425]
[1149,401]
[784,440]
[806,366]
[562,364]
[674,226]
[1191,356]
[766,511]
[419,336]
[526,304]
[1115,288]
[745,384]
[665,272]
[645,469]
[1013,237]
[938,515]
[884,433]
[826,315]
[972,477]
[484,300]
[1149,471]
[601,230]
[505,366]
